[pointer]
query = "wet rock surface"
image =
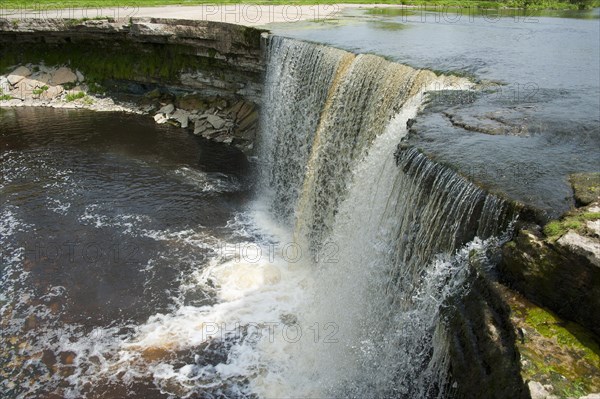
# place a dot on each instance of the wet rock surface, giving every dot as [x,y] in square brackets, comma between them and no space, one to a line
[559,266]
[586,187]
[484,361]
[559,359]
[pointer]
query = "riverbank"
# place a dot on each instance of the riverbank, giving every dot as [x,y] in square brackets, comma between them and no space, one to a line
[256,12]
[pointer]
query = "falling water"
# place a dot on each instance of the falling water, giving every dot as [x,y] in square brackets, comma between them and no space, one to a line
[389,231]
[384,235]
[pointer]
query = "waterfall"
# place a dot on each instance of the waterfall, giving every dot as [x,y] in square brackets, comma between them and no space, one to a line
[389,231]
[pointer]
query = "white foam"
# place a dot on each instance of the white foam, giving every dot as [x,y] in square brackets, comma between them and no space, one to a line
[207,182]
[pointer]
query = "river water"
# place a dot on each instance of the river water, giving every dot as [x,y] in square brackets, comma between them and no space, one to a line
[141,261]
[539,109]
[104,219]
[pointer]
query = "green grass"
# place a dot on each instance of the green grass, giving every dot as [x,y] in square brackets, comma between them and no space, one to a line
[4,97]
[530,4]
[40,90]
[557,228]
[75,96]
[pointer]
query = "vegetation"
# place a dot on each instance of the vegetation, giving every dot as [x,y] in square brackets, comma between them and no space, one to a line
[40,90]
[555,351]
[75,96]
[131,4]
[557,228]
[3,96]
[120,61]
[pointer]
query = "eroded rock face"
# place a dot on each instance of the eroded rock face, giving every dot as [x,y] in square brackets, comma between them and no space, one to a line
[484,361]
[558,267]
[559,358]
[205,75]
[218,59]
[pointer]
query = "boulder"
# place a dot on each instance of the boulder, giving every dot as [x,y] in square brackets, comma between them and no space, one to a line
[52,92]
[42,77]
[586,187]
[537,390]
[63,75]
[581,245]
[216,121]
[80,77]
[191,102]
[182,117]
[167,109]
[18,75]
[200,128]
[160,118]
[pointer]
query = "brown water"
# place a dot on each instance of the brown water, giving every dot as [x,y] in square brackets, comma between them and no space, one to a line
[102,220]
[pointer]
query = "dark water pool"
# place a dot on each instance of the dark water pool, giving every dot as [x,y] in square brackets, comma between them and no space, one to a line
[103,216]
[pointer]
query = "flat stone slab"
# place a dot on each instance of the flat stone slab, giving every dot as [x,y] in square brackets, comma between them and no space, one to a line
[18,74]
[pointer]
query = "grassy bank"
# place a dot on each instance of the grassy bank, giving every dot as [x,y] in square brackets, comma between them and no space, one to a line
[529,4]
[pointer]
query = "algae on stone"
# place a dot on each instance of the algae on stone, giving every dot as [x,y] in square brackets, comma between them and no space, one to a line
[586,187]
[554,352]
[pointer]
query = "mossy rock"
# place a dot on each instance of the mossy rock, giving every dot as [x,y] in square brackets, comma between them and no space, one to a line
[554,351]
[586,187]
[554,275]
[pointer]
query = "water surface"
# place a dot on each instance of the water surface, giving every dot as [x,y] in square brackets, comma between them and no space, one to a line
[103,219]
[537,116]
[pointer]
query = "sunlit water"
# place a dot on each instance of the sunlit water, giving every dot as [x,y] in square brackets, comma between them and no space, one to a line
[540,94]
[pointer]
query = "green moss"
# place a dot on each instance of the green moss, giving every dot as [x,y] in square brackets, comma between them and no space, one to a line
[122,61]
[577,222]
[5,97]
[567,357]
[590,216]
[566,333]
[554,229]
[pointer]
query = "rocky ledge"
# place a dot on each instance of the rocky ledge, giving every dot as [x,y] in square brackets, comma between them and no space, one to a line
[214,118]
[558,266]
[58,87]
[203,76]
[552,273]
